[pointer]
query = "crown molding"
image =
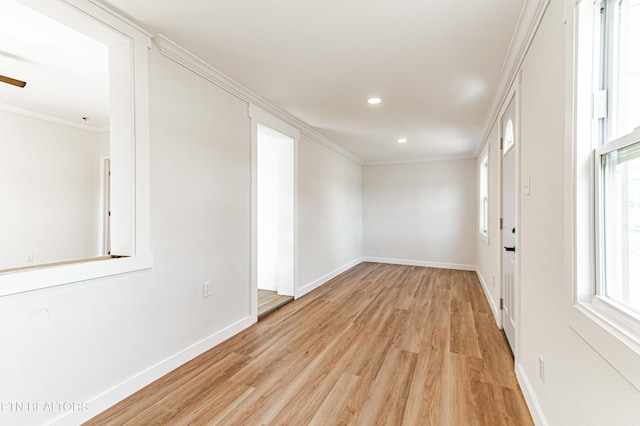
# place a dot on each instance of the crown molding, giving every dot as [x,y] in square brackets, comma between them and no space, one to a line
[421,160]
[528,23]
[51,119]
[193,63]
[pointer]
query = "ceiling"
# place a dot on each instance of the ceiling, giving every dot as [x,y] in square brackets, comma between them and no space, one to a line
[435,64]
[66,72]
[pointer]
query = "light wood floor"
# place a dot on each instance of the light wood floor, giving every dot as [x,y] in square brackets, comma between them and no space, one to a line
[269,301]
[380,344]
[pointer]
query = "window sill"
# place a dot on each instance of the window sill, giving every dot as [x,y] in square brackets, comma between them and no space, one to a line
[20,280]
[613,341]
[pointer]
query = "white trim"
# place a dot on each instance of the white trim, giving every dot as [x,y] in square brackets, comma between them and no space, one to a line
[177,53]
[485,152]
[530,18]
[129,84]
[497,315]
[619,349]
[619,143]
[420,160]
[427,264]
[116,21]
[259,116]
[51,276]
[530,397]
[84,13]
[512,98]
[602,331]
[122,390]
[325,278]
[253,290]
[263,117]
[296,233]
[52,119]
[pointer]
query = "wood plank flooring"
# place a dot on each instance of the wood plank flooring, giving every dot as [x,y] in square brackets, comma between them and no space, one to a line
[269,301]
[377,345]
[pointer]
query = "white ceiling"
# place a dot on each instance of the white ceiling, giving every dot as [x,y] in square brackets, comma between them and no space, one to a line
[435,64]
[66,72]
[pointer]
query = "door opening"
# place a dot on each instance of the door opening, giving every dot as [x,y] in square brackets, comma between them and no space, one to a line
[275,218]
[106,207]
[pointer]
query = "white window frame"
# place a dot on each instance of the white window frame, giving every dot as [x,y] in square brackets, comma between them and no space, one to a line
[483,194]
[129,144]
[624,314]
[608,329]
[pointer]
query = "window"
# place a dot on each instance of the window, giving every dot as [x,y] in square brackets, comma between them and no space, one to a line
[129,139]
[483,207]
[621,62]
[617,156]
[619,223]
[509,138]
[605,179]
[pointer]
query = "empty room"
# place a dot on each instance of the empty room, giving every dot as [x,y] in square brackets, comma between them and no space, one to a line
[321,212]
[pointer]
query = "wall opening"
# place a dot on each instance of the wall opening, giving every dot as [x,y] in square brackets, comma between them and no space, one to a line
[118,128]
[275,211]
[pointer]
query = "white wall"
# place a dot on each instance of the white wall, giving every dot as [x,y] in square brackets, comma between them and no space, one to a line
[329,214]
[99,341]
[49,191]
[580,386]
[104,143]
[77,341]
[423,213]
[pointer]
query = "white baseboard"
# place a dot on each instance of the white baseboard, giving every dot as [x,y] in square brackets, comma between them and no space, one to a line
[530,397]
[494,308]
[408,262]
[317,283]
[119,392]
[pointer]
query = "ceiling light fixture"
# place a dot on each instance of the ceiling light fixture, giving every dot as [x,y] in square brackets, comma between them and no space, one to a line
[402,140]
[374,101]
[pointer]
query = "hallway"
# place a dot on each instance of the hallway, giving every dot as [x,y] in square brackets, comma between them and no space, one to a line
[379,344]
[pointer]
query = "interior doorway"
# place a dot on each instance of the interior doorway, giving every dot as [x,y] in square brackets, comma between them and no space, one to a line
[275,218]
[509,229]
[105,245]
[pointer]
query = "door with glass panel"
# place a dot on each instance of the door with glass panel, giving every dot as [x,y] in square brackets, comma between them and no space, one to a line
[508,231]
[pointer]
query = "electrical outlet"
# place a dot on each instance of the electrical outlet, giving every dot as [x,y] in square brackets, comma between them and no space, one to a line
[206,289]
[541,368]
[28,257]
[493,281]
[376,246]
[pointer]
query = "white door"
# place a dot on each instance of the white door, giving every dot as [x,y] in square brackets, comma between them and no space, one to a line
[508,247]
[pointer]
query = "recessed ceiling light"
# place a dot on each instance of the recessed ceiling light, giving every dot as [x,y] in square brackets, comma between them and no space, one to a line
[374,101]
[402,140]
